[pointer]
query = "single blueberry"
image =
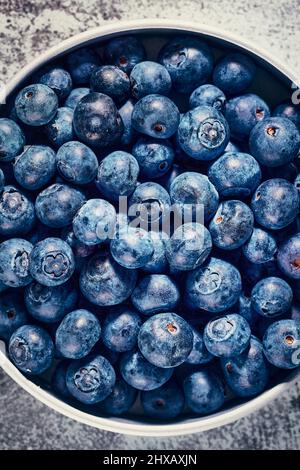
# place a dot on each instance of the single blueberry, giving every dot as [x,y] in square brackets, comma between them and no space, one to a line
[14,262]
[75,96]
[58,379]
[290,111]
[165,340]
[203,133]
[120,329]
[155,293]
[81,63]
[260,247]
[288,257]
[214,287]
[234,73]
[13,313]
[124,52]
[12,140]
[59,80]
[165,402]
[150,204]
[97,121]
[51,262]
[17,215]
[50,304]
[188,60]
[204,392]
[91,379]
[104,282]
[271,297]
[275,204]
[141,374]
[35,166]
[155,115]
[77,334]
[247,374]
[227,336]
[111,81]
[36,105]
[148,78]
[245,309]
[232,225]
[120,400]
[76,163]
[235,174]
[60,129]
[189,246]
[243,112]
[31,349]
[117,175]
[95,222]
[281,344]
[208,95]
[199,353]
[132,247]
[154,156]
[158,263]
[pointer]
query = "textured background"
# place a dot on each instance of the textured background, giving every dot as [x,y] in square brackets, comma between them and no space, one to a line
[28,27]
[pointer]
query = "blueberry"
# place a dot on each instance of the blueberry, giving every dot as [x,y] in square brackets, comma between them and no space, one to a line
[274,141]
[189,246]
[288,257]
[165,340]
[199,353]
[111,81]
[50,304]
[59,80]
[124,52]
[91,379]
[120,329]
[167,179]
[235,174]
[214,287]
[275,204]
[57,205]
[75,96]
[17,215]
[148,78]
[156,116]
[141,374]
[81,63]
[227,336]
[80,250]
[158,262]
[97,121]
[243,112]
[188,60]
[150,202]
[60,129]
[281,344]
[14,262]
[165,402]
[290,111]
[51,262]
[77,334]
[13,313]
[247,374]
[203,133]
[232,225]
[117,175]
[94,222]
[104,282]
[155,157]
[12,140]
[132,247]
[234,73]
[204,392]
[76,163]
[260,247]
[36,105]
[126,113]
[120,400]
[31,349]
[194,191]
[208,95]
[271,297]
[155,293]
[35,166]
[58,380]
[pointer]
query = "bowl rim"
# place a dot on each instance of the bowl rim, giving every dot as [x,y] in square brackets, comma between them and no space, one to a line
[115,424]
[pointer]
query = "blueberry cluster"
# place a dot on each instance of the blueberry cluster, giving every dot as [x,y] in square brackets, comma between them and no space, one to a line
[109,307]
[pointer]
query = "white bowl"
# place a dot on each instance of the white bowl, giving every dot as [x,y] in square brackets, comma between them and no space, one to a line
[134,424]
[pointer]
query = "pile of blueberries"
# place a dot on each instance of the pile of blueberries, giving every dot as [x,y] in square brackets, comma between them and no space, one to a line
[105,308]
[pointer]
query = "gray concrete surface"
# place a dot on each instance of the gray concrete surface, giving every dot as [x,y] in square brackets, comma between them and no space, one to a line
[28,27]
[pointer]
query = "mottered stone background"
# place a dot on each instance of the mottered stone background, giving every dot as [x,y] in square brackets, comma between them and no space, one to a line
[28,27]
